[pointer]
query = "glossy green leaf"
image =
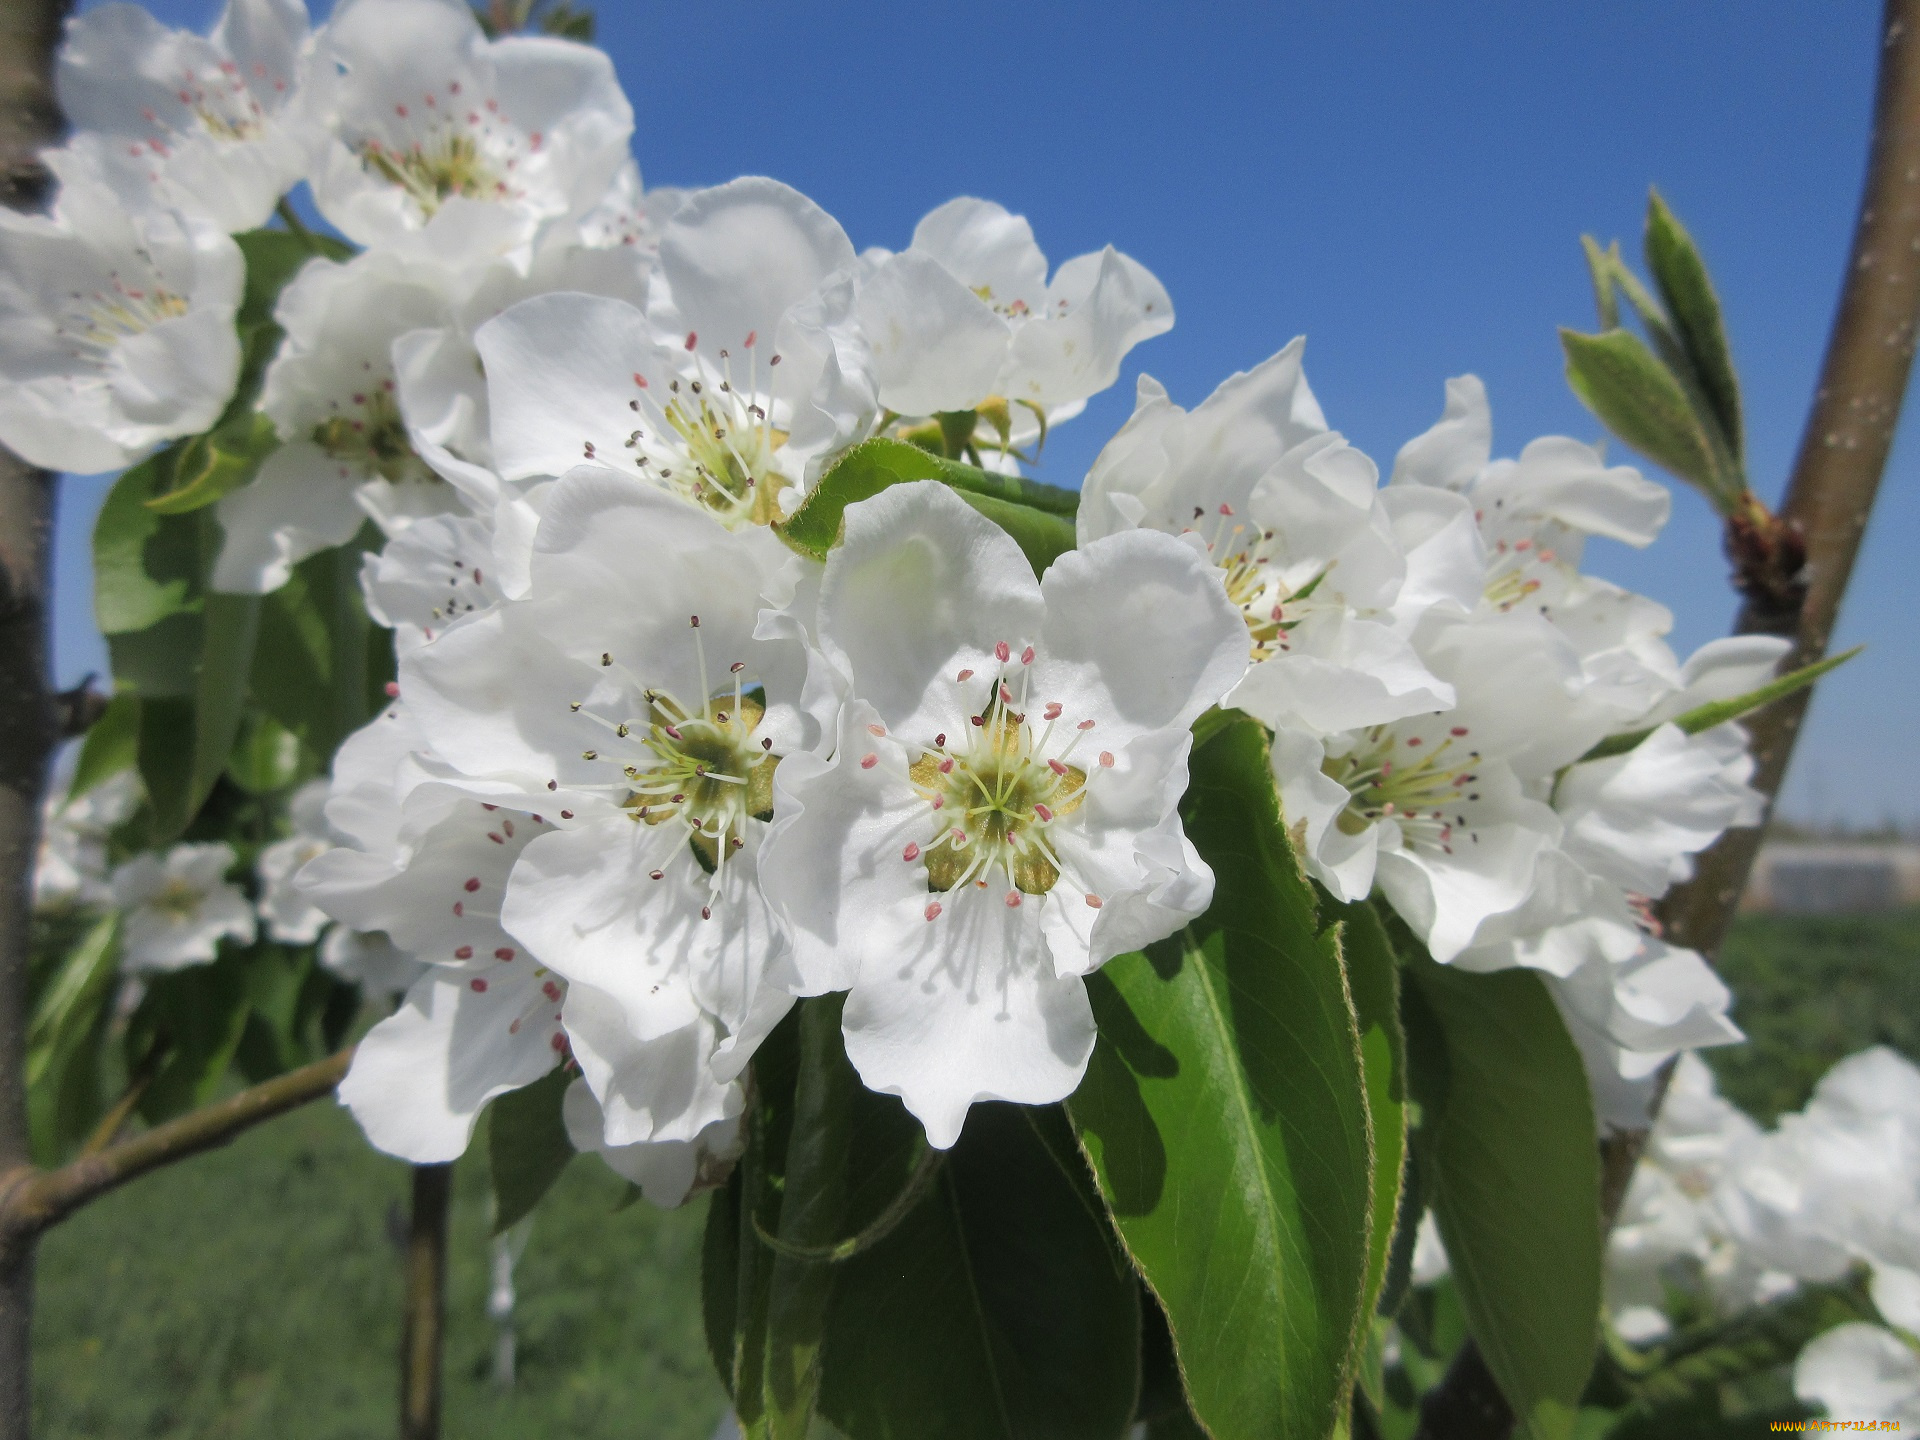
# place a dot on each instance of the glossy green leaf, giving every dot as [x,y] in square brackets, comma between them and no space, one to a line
[1516,1183]
[1037,516]
[1694,310]
[1640,401]
[1042,538]
[1719,712]
[77,989]
[1000,1309]
[160,662]
[112,744]
[1225,1110]
[1374,980]
[527,1146]
[146,566]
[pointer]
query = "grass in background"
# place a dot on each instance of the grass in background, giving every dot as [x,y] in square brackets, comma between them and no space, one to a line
[1810,990]
[255,1291]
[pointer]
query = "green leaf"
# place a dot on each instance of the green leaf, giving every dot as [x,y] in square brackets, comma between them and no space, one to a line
[1037,516]
[1042,538]
[1225,1110]
[195,1018]
[813,1209]
[76,992]
[146,566]
[190,672]
[166,764]
[65,1041]
[1719,712]
[315,663]
[1000,1308]
[276,977]
[232,625]
[527,1146]
[1373,977]
[1516,1183]
[1687,291]
[273,258]
[1600,267]
[159,662]
[1639,400]
[112,744]
[216,464]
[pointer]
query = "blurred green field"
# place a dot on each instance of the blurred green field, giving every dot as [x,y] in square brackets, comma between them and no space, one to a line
[1809,990]
[255,1291]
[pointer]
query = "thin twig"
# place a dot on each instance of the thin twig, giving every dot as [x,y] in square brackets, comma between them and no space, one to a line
[108,1130]
[31,1200]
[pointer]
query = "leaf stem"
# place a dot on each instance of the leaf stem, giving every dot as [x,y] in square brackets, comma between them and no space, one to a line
[889,1220]
[298,227]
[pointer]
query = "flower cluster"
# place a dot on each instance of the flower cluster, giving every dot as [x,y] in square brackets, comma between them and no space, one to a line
[1733,1216]
[650,772]
[1438,671]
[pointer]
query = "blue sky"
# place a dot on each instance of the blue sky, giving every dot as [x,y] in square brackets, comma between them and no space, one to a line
[1404,183]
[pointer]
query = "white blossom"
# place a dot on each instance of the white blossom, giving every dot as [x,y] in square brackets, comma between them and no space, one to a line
[727,390]
[209,126]
[645,708]
[178,907]
[70,866]
[1861,1372]
[967,315]
[116,329]
[289,916]
[427,866]
[1000,815]
[1291,515]
[668,1172]
[435,139]
[345,454]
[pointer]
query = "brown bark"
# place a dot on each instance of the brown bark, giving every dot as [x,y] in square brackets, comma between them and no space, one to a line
[1843,452]
[422,1336]
[29,119]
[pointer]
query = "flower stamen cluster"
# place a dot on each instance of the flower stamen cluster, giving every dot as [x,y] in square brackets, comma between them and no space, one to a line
[712,443]
[1416,792]
[695,765]
[993,796]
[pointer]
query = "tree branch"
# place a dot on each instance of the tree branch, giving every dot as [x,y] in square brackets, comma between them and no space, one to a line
[1843,452]
[29,120]
[31,1200]
[422,1335]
